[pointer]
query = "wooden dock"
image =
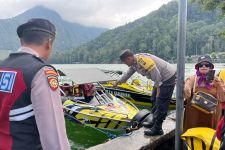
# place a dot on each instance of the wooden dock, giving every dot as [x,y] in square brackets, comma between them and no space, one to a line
[137,140]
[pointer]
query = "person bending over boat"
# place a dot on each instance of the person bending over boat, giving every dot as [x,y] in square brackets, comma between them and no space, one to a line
[31,115]
[194,117]
[164,76]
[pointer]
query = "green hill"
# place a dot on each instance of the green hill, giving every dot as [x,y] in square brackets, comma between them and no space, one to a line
[155,33]
[69,35]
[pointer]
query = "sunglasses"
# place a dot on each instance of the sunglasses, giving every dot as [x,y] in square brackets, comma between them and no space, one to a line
[206,65]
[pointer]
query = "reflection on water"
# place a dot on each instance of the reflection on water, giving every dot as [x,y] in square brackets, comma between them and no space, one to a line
[83,137]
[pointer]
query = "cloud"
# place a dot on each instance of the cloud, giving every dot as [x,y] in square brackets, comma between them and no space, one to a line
[99,13]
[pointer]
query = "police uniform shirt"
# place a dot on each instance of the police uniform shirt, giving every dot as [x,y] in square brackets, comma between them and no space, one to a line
[152,67]
[48,110]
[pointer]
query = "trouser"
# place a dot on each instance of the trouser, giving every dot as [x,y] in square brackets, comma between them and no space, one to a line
[161,103]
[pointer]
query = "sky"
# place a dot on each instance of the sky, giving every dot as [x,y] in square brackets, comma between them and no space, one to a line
[95,13]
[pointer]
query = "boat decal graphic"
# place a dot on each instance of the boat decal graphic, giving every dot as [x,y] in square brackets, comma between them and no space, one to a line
[107,124]
[117,125]
[74,114]
[113,116]
[98,122]
[95,123]
[119,93]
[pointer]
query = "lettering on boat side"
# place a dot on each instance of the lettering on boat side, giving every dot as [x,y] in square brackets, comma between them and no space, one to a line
[119,93]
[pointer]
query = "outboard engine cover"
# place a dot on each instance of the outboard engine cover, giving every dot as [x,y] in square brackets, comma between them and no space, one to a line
[139,118]
[148,118]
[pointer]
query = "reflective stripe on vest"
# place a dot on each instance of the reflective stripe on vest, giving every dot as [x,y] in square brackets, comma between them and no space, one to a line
[21,113]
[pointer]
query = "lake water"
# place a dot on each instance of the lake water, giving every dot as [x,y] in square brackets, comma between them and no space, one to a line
[189,68]
[82,137]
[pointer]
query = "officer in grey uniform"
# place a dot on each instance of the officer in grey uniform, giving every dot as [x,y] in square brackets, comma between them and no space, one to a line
[33,118]
[163,74]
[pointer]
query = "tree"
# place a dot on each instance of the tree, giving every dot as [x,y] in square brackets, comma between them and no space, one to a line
[213,55]
[212,4]
[155,33]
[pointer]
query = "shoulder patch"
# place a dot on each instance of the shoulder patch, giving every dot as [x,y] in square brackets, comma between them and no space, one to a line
[53,82]
[50,72]
[7,79]
[52,78]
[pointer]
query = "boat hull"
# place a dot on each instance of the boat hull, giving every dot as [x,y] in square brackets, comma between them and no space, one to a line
[98,116]
[136,98]
[100,122]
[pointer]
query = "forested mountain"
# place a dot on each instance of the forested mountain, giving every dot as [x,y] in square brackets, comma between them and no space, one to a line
[155,33]
[69,35]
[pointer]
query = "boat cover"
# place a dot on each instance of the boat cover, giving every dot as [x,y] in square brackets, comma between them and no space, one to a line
[86,75]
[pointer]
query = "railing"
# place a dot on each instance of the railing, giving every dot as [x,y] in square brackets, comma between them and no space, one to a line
[127,101]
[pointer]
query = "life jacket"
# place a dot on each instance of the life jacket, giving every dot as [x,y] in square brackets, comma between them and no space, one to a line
[89,89]
[222,74]
[201,139]
[65,88]
[18,128]
[76,90]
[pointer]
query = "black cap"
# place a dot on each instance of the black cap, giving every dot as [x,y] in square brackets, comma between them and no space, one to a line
[125,53]
[205,58]
[36,24]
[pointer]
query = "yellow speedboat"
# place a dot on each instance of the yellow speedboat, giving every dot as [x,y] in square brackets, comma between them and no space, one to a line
[136,90]
[114,115]
[103,110]
[137,94]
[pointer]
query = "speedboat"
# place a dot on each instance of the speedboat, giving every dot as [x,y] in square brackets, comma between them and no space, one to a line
[136,90]
[103,110]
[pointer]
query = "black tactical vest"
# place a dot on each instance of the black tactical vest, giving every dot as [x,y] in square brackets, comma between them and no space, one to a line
[22,124]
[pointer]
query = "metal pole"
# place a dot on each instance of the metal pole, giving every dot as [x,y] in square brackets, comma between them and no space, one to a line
[181,46]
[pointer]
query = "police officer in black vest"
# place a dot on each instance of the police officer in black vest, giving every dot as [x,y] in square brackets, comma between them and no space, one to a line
[31,115]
